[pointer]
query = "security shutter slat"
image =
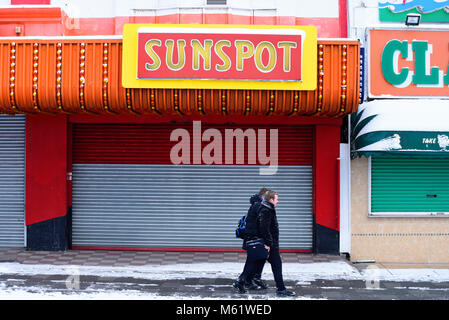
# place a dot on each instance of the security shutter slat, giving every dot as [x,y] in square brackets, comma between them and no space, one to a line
[400,184]
[12,180]
[150,144]
[180,206]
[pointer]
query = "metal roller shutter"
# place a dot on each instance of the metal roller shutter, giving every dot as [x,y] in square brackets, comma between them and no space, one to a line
[413,185]
[12,181]
[136,199]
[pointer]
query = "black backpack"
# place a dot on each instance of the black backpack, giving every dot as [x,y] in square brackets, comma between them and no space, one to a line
[242,227]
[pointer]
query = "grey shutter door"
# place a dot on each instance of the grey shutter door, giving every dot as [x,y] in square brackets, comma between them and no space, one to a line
[179,206]
[12,181]
[183,206]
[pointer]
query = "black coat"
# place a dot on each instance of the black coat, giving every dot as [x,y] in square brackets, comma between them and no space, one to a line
[268,227]
[251,218]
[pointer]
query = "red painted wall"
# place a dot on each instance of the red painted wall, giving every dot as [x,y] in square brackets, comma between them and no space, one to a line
[53,21]
[33,21]
[21,2]
[326,27]
[46,168]
[327,144]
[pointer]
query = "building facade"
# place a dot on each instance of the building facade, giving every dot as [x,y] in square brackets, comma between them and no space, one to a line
[97,155]
[399,181]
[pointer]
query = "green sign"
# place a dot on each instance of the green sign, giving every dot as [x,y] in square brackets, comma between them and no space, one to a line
[403,141]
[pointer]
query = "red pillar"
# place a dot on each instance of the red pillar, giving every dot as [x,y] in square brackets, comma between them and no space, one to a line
[46,185]
[326,188]
[343,17]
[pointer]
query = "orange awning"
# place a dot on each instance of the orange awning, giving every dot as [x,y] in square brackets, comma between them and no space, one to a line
[61,75]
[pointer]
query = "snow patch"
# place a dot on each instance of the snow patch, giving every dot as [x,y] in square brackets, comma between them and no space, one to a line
[291,271]
[412,275]
[406,115]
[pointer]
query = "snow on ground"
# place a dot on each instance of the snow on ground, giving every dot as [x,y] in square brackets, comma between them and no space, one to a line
[291,271]
[36,293]
[302,273]
[412,275]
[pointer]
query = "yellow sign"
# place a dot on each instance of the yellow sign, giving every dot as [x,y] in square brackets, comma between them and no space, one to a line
[219,57]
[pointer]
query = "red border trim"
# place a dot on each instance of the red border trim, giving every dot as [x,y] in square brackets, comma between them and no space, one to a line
[277,120]
[179,249]
[29,2]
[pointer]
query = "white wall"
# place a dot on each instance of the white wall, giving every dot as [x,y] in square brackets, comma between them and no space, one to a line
[112,8]
[345,198]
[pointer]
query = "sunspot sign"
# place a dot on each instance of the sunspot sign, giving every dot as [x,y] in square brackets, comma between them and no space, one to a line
[219,56]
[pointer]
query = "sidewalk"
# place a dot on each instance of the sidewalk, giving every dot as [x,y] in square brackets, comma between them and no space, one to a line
[140,258]
[153,275]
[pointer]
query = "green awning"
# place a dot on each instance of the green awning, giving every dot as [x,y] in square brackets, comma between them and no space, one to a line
[409,127]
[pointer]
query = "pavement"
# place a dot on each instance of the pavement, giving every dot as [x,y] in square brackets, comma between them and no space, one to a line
[157,275]
[140,258]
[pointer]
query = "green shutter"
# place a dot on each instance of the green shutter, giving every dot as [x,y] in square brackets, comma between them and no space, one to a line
[400,184]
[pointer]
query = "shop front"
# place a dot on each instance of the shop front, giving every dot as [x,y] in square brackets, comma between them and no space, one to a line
[400,140]
[128,193]
[157,141]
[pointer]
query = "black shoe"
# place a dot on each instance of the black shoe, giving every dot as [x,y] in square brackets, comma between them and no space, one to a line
[260,283]
[285,293]
[240,285]
[251,285]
